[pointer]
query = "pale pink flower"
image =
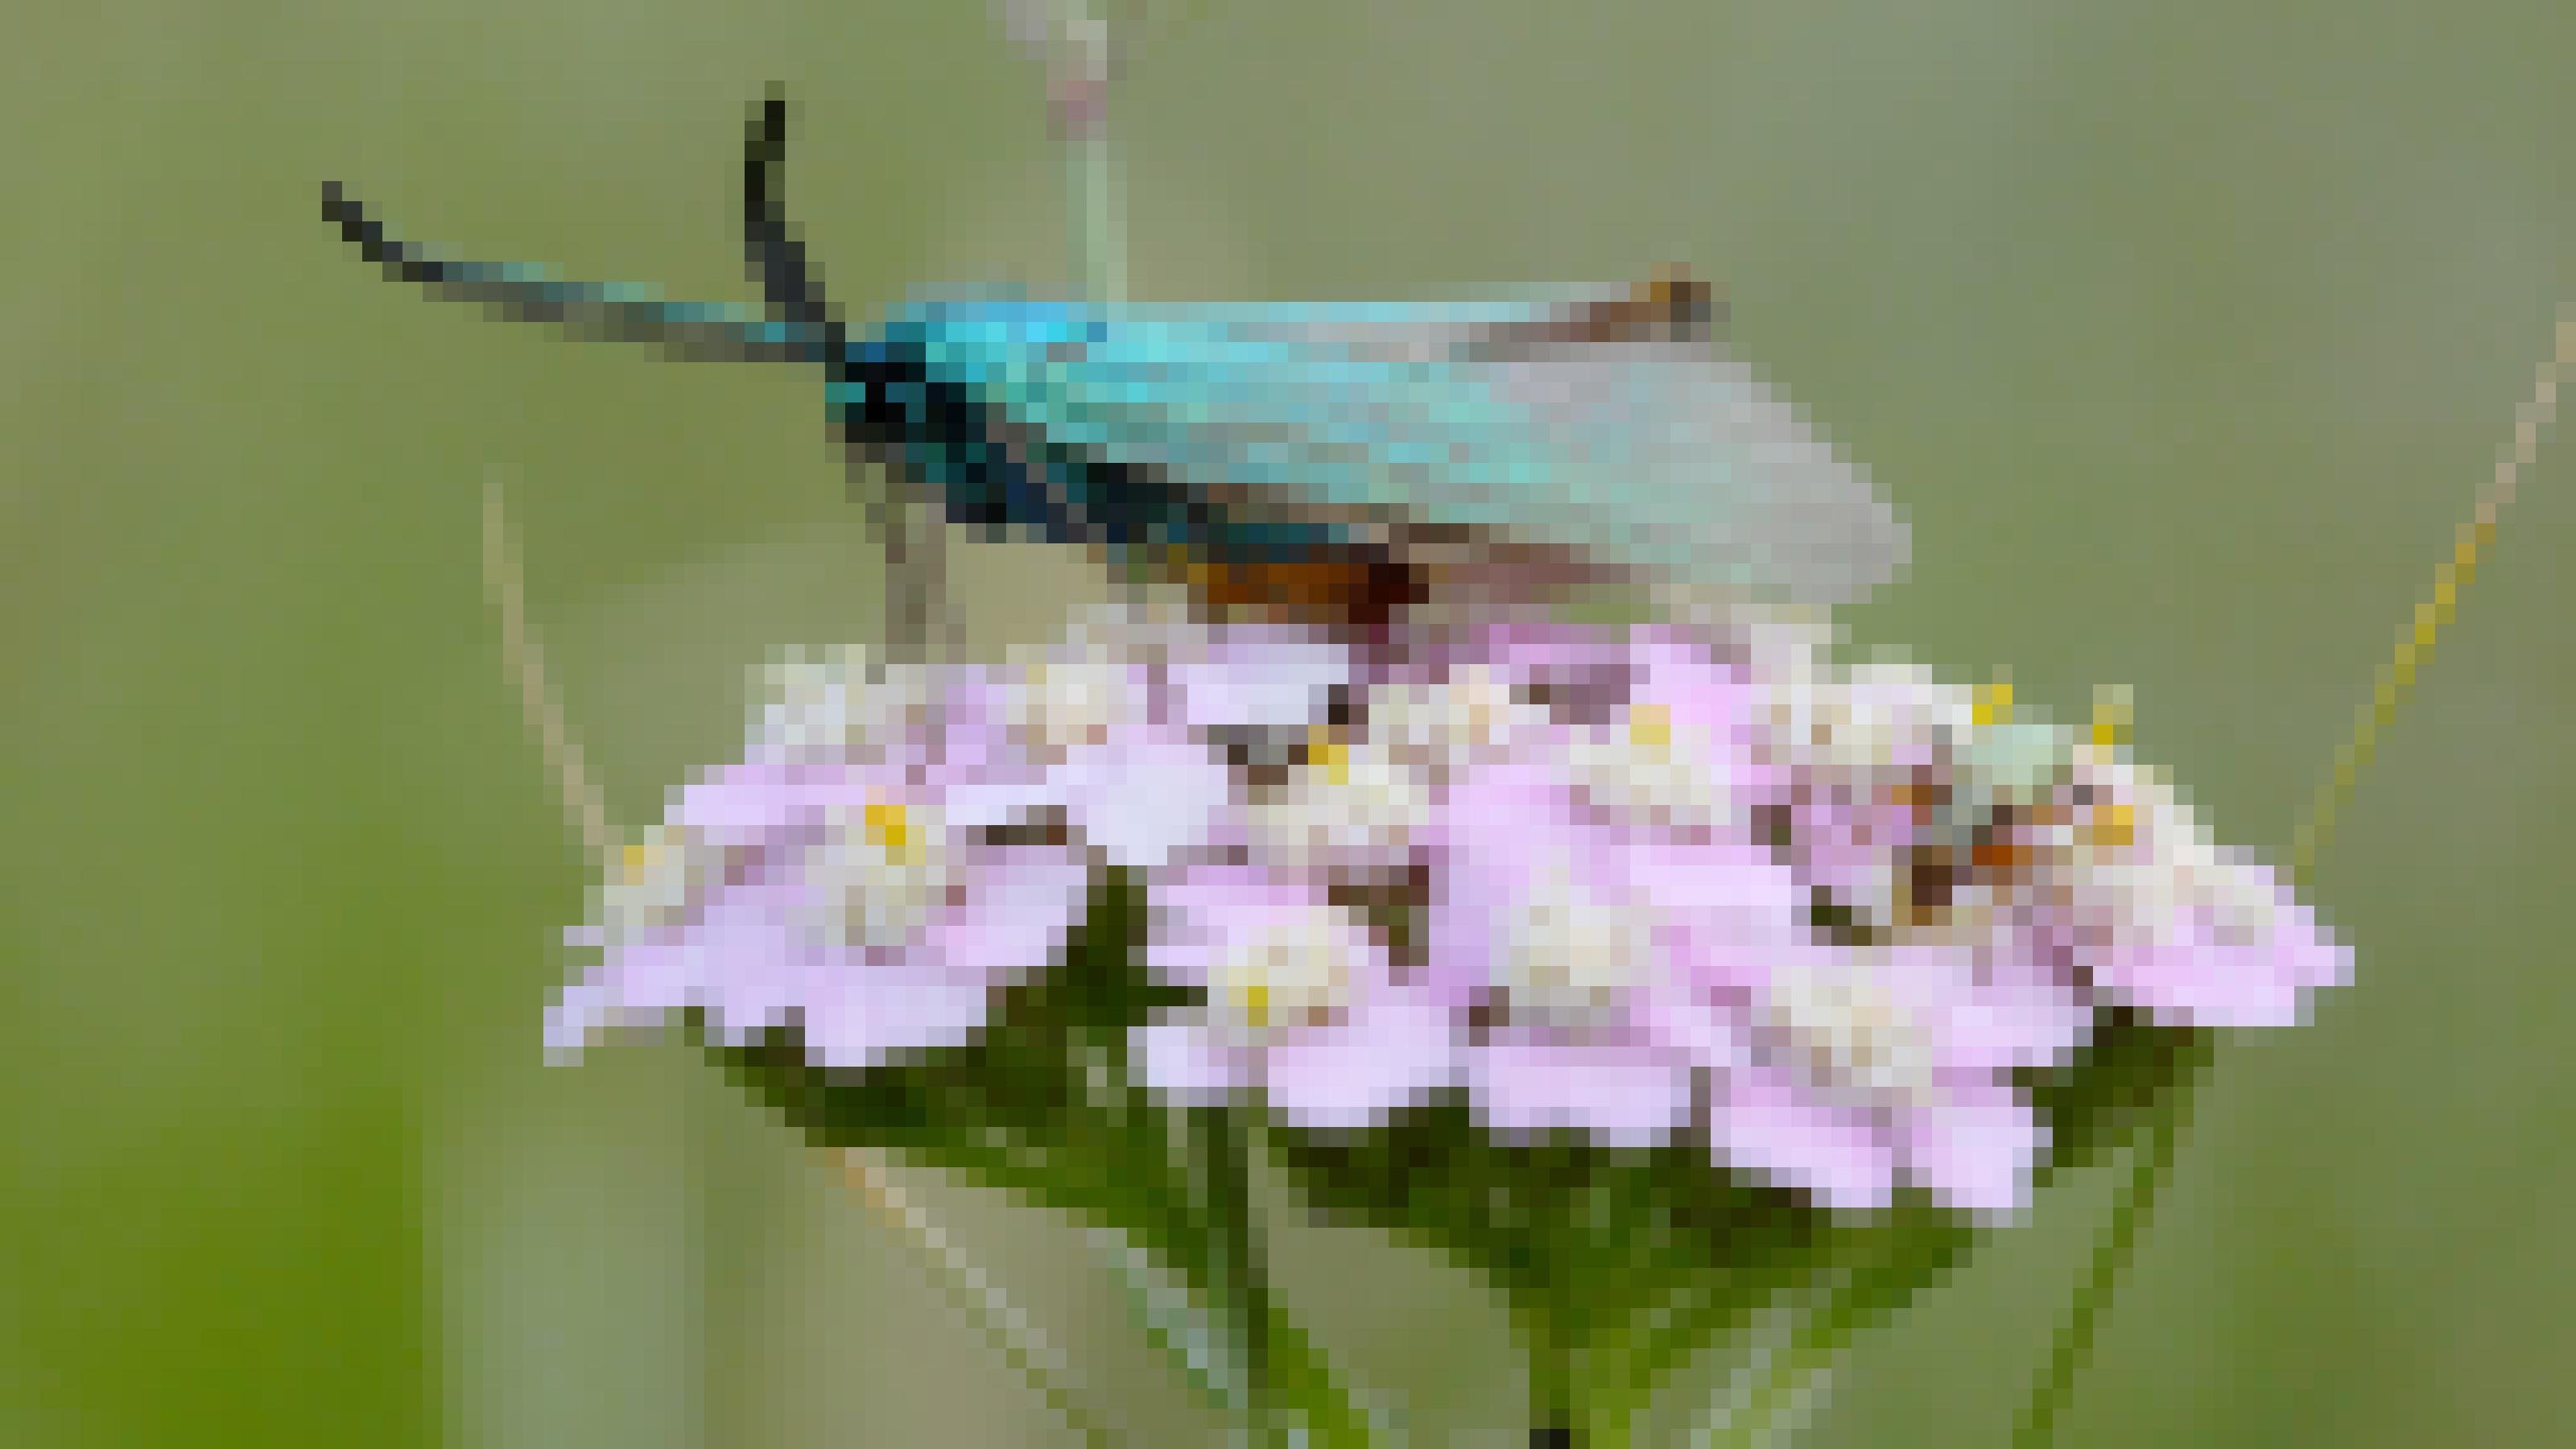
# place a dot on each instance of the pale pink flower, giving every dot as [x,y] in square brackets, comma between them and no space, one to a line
[1300,1003]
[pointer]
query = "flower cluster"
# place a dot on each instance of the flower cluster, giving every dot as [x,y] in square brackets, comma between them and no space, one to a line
[1629,882]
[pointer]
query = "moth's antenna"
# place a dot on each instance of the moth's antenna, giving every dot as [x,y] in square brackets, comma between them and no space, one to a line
[793,294]
[787,279]
[610,311]
[368,235]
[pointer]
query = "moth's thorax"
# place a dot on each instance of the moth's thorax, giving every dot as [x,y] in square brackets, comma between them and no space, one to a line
[955,399]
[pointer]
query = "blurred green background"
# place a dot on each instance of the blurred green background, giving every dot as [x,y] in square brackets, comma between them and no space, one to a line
[2184,333]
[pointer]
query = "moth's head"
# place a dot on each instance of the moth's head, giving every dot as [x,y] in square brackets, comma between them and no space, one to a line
[937,434]
[880,395]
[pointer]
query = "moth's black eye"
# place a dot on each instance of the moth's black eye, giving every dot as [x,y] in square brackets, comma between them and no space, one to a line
[887,401]
[881,397]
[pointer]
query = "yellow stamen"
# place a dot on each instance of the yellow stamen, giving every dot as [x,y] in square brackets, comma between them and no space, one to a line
[638,859]
[2113,826]
[1650,726]
[1252,1000]
[2112,716]
[888,826]
[1326,753]
[1994,704]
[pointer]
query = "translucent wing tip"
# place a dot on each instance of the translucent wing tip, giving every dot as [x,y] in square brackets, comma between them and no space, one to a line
[1812,529]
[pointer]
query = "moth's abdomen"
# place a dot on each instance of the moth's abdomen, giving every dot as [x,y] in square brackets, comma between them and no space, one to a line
[1358,587]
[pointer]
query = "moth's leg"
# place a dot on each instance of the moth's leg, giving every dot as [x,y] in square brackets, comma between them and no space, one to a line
[914,551]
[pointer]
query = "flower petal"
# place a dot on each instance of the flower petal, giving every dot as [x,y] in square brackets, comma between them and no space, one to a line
[1397,1046]
[1143,801]
[1760,1125]
[2193,969]
[1977,1150]
[1184,1059]
[1020,906]
[1254,676]
[1626,1094]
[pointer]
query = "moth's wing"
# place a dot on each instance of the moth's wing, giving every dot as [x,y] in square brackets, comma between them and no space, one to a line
[1662,454]
[1646,452]
[1677,461]
[1264,434]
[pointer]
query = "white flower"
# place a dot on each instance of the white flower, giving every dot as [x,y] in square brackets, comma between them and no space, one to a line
[1470,717]
[880,873]
[1138,788]
[2141,867]
[1068,702]
[1631,766]
[1293,969]
[1351,806]
[1359,802]
[657,882]
[1883,714]
[1569,957]
[832,706]
[1840,1026]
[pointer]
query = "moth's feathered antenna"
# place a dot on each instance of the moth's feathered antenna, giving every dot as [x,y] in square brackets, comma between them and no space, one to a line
[607,311]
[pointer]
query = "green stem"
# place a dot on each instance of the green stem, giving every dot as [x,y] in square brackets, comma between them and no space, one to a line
[1099,212]
[1864,1279]
[1176,1303]
[1554,1422]
[978,1297]
[1099,226]
[1238,1254]
[1572,1404]
[1261,1367]
[2150,1163]
[1772,1393]
[1698,1314]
